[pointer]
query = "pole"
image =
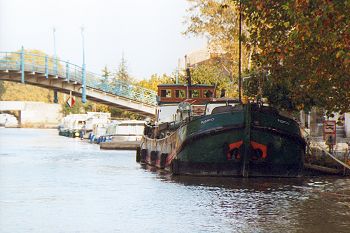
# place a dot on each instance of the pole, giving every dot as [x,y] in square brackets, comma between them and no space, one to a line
[55,65]
[46,67]
[246,141]
[83,94]
[187,91]
[55,95]
[240,53]
[178,71]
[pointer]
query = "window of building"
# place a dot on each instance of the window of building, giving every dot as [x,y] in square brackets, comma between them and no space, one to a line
[180,94]
[162,93]
[165,93]
[195,93]
[208,93]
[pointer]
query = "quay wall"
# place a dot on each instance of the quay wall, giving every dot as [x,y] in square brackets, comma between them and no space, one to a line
[34,114]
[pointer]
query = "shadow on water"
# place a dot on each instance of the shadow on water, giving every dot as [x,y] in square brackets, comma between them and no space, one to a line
[253,183]
[311,204]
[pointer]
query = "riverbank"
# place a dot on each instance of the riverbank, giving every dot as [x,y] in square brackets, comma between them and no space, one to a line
[32,114]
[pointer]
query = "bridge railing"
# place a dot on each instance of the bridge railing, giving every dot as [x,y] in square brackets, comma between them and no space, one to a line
[49,66]
[10,61]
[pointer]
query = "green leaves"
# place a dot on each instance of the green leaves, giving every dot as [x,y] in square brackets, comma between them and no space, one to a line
[340,54]
[218,21]
[302,47]
[154,81]
[214,74]
[305,44]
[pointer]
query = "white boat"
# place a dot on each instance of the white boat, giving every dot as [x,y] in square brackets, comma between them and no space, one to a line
[95,119]
[126,130]
[119,131]
[72,125]
[83,125]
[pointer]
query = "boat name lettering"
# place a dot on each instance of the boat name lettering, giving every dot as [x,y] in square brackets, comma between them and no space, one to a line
[283,122]
[207,120]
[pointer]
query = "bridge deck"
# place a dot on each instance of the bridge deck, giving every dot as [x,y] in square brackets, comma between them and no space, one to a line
[65,77]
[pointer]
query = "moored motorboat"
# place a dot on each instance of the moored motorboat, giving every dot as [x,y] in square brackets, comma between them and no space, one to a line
[83,125]
[71,125]
[125,130]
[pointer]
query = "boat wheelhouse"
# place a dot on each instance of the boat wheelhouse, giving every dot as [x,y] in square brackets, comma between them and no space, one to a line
[171,95]
[176,93]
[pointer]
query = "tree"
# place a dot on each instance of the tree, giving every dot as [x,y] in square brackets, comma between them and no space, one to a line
[105,76]
[154,81]
[304,47]
[122,74]
[301,49]
[212,73]
[218,21]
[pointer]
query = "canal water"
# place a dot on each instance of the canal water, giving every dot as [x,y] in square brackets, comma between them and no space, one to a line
[53,184]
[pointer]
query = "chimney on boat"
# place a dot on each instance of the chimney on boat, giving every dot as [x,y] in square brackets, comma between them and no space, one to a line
[188,76]
[188,72]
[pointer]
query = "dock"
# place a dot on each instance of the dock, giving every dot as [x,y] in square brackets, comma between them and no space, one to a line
[313,169]
[320,161]
[120,145]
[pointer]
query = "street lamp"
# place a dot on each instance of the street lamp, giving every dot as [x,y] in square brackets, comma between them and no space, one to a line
[55,65]
[54,48]
[83,93]
[83,42]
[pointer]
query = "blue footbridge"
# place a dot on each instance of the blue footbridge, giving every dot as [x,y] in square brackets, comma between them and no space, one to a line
[63,76]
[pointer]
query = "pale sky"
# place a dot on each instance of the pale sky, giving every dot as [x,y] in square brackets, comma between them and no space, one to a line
[147,31]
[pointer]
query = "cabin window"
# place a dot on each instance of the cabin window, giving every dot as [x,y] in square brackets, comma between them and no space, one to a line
[165,93]
[195,93]
[208,93]
[180,94]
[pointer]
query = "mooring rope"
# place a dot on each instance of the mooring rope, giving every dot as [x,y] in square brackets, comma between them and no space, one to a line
[327,153]
[333,157]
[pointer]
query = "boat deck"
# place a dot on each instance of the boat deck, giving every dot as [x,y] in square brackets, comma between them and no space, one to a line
[120,145]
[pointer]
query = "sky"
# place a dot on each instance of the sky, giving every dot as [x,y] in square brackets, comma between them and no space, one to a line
[147,32]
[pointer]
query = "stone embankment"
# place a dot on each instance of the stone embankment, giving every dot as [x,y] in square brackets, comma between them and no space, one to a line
[34,114]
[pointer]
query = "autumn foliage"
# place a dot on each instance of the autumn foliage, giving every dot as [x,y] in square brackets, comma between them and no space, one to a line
[301,50]
[304,46]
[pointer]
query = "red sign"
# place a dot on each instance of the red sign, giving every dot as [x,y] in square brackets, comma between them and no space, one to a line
[70,101]
[330,132]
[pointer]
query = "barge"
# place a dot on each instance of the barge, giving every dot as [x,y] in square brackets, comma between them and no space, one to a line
[198,134]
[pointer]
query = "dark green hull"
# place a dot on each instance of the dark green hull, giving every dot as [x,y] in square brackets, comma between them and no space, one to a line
[69,133]
[252,142]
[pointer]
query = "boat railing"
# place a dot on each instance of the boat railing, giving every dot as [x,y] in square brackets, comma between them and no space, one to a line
[172,132]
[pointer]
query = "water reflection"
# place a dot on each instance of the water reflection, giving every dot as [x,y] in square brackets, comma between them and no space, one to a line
[55,184]
[272,204]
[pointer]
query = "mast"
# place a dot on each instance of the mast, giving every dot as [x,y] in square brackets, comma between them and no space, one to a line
[240,53]
[188,77]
